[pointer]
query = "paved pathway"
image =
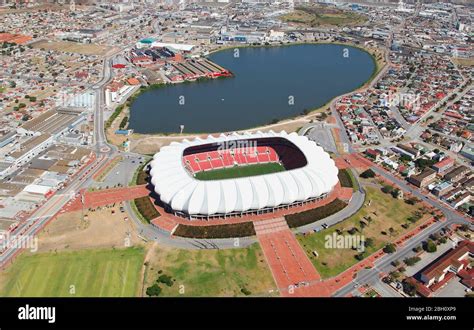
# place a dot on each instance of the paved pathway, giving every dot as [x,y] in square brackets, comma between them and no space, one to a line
[289,264]
[106,197]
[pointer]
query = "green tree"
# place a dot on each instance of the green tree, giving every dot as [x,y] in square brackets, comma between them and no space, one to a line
[409,288]
[367,174]
[389,248]
[411,261]
[387,189]
[369,242]
[165,279]
[153,291]
[430,246]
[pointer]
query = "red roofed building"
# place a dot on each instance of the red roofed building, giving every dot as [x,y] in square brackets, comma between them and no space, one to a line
[466,135]
[443,165]
[141,60]
[453,114]
[452,261]
[467,277]
[440,95]
[133,81]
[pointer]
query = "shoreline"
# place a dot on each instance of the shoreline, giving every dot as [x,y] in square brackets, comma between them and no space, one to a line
[378,65]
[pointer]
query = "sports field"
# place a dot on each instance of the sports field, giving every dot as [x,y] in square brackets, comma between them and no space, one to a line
[90,273]
[240,171]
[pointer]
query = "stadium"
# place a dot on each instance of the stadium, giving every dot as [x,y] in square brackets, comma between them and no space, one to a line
[241,174]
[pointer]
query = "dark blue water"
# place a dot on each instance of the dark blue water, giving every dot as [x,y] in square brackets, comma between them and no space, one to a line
[265,78]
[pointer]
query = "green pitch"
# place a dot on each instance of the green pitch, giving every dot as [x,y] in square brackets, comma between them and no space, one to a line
[240,171]
[90,273]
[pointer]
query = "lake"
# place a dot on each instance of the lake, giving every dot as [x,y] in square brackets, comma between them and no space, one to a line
[269,83]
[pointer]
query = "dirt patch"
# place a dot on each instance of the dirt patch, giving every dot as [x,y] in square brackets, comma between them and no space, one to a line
[98,229]
[73,47]
[149,144]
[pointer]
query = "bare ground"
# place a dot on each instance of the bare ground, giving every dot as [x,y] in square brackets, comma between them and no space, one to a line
[99,229]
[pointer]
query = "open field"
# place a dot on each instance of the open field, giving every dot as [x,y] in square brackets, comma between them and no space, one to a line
[211,272]
[73,47]
[240,171]
[316,16]
[384,211]
[91,273]
[99,229]
[464,61]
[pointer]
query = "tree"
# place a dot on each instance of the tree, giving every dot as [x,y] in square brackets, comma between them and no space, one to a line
[409,288]
[165,279]
[405,158]
[430,246]
[422,163]
[464,227]
[395,275]
[389,248]
[395,193]
[387,189]
[245,291]
[153,291]
[369,242]
[411,261]
[412,200]
[367,174]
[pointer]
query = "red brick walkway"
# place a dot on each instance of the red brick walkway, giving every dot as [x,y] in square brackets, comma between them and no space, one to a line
[289,264]
[353,160]
[166,223]
[107,197]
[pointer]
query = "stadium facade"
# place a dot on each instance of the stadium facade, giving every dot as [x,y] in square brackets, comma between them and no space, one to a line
[309,174]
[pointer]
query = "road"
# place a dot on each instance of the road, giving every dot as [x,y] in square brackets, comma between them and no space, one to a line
[355,204]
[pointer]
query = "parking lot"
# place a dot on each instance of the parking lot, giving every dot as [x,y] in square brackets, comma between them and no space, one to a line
[321,134]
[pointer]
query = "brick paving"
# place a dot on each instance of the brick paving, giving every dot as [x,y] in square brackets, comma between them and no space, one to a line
[289,264]
[106,197]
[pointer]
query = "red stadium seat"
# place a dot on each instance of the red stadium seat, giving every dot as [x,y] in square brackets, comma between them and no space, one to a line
[217,159]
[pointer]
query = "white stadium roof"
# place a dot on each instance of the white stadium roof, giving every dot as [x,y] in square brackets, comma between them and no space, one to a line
[184,193]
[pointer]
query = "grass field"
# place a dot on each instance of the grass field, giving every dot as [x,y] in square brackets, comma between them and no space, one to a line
[240,171]
[212,272]
[93,273]
[385,211]
[317,16]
